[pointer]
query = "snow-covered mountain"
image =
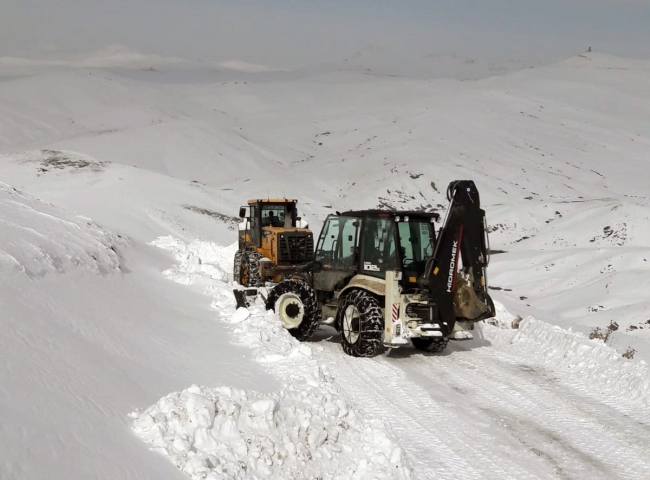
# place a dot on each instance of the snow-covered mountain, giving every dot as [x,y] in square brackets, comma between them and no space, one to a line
[372,61]
[119,56]
[100,160]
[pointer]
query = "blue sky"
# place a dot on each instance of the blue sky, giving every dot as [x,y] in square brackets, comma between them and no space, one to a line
[298,32]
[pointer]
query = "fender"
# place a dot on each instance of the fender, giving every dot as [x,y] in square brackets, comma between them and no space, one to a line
[366,282]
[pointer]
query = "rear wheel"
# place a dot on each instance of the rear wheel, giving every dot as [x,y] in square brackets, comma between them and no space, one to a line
[236,268]
[294,301]
[361,324]
[251,276]
[434,345]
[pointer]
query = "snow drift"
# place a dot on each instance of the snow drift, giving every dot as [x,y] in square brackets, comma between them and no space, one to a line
[38,238]
[598,366]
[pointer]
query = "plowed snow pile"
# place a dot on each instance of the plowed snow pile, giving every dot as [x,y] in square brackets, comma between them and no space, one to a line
[306,430]
[589,365]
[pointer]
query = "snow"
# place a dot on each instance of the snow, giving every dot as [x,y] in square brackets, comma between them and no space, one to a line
[90,331]
[118,213]
[590,364]
[40,239]
[305,430]
[118,56]
[245,66]
[316,379]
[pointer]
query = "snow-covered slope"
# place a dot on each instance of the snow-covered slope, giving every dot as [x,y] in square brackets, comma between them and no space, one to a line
[371,60]
[90,330]
[97,163]
[39,238]
[130,200]
[117,56]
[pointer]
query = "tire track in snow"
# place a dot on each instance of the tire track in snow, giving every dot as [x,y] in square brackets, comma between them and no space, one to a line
[439,442]
[481,413]
[579,437]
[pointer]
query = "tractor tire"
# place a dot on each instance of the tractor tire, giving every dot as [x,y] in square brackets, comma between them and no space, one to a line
[294,301]
[361,324]
[251,276]
[433,345]
[236,268]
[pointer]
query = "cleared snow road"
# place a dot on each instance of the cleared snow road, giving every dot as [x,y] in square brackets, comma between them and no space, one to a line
[474,412]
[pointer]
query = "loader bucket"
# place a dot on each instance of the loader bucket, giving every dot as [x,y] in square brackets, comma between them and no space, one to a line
[244,296]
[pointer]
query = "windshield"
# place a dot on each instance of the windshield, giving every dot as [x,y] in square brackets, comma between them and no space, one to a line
[337,242]
[273,215]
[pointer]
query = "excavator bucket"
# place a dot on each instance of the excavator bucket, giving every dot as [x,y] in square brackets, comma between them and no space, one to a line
[466,302]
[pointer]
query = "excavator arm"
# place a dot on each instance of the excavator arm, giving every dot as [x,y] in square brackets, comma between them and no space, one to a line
[460,292]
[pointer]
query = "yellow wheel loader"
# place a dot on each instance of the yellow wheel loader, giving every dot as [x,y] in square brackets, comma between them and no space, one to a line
[273,242]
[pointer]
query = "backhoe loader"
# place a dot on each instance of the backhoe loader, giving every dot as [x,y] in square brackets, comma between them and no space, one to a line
[386,278]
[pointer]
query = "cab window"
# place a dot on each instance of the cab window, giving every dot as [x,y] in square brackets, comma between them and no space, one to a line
[378,246]
[336,245]
[416,239]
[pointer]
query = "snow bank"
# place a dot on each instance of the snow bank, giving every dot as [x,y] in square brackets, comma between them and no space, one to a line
[38,238]
[306,430]
[227,433]
[588,364]
[597,364]
[201,262]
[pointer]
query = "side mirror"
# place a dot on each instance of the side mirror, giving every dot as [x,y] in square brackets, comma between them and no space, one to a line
[242,212]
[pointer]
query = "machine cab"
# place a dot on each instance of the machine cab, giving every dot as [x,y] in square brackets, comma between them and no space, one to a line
[260,214]
[370,243]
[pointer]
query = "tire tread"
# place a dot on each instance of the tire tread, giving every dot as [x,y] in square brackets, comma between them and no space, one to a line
[312,315]
[371,324]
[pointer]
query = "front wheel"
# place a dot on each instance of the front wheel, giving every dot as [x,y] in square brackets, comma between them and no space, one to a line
[294,301]
[361,324]
[434,345]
